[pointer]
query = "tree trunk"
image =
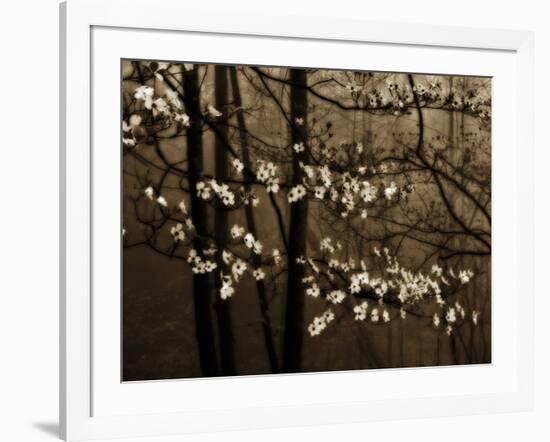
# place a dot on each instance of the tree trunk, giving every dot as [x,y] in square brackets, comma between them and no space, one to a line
[201,289]
[267,328]
[294,311]
[225,330]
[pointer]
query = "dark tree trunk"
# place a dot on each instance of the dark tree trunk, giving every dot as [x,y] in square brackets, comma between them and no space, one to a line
[267,327]
[225,331]
[294,312]
[201,287]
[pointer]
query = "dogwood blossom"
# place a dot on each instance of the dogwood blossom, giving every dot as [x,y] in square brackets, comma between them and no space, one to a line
[227,290]
[238,268]
[149,192]
[298,147]
[238,165]
[258,247]
[361,311]
[320,192]
[258,274]
[450,316]
[465,276]
[162,201]
[237,231]
[249,240]
[475,317]
[336,296]
[273,185]
[227,257]
[203,191]
[296,193]
[313,291]
[177,232]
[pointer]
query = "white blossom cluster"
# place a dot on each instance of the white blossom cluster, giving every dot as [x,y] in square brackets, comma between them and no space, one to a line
[396,96]
[361,311]
[431,92]
[407,288]
[252,243]
[227,290]
[237,266]
[351,193]
[176,231]
[296,193]
[320,323]
[267,174]
[168,107]
[200,265]
[128,135]
[357,281]
[326,244]
[206,190]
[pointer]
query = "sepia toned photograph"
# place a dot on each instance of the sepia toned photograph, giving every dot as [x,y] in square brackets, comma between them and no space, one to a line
[294,220]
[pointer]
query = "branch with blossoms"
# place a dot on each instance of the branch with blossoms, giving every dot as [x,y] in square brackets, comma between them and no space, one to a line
[373,293]
[395,97]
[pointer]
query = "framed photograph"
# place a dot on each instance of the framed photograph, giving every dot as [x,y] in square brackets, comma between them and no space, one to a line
[281,221]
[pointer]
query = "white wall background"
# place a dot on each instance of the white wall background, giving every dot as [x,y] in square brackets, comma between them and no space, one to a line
[29,220]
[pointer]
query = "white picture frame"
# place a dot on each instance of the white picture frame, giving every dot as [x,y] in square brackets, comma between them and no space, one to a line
[84,385]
